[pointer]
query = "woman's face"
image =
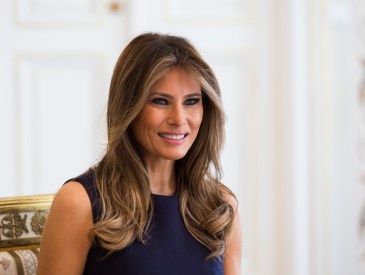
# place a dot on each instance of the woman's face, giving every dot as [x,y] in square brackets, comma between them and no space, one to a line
[170,119]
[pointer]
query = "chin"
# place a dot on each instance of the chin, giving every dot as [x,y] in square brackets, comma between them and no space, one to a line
[175,156]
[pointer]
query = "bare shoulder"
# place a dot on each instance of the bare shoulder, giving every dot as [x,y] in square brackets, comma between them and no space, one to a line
[72,195]
[71,202]
[70,212]
[233,253]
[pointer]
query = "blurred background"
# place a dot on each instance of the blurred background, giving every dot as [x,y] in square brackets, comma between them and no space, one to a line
[292,74]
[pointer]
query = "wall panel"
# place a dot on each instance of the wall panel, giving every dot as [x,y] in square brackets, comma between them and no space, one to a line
[57,97]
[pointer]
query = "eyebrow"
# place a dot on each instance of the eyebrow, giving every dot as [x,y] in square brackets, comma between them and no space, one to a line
[170,96]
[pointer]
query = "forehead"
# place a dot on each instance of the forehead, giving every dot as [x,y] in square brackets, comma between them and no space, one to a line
[177,80]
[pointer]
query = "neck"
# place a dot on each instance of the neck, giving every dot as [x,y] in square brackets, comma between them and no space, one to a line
[162,177]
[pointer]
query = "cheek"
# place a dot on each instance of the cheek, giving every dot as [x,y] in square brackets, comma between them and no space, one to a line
[139,127]
[141,134]
[145,126]
[197,119]
[143,121]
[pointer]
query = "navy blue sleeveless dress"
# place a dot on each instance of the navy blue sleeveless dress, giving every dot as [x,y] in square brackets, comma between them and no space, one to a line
[169,250]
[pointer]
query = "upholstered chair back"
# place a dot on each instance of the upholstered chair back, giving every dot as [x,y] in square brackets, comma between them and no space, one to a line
[22,221]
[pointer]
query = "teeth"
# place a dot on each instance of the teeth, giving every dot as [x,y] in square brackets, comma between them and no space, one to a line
[172,136]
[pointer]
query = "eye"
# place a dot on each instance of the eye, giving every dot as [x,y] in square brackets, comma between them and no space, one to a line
[192,101]
[159,101]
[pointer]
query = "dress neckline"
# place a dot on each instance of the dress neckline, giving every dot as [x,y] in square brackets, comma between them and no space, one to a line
[163,196]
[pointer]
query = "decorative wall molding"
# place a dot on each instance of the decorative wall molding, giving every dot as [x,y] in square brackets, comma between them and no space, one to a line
[42,13]
[207,12]
[50,111]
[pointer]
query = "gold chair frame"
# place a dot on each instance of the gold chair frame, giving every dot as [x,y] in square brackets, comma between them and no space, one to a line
[22,220]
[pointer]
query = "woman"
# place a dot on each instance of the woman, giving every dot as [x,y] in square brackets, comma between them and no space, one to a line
[152,204]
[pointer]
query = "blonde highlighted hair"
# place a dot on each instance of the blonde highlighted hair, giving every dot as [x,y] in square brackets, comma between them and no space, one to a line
[121,177]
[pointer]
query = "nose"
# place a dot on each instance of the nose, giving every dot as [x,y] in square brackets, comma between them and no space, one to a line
[177,116]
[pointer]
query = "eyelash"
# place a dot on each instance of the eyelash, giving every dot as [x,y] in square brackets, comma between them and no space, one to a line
[159,101]
[192,101]
[162,101]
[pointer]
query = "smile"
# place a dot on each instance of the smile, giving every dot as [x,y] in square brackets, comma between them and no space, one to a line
[174,137]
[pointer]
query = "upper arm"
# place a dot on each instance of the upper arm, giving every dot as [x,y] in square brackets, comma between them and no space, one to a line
[233,253]
[65,240]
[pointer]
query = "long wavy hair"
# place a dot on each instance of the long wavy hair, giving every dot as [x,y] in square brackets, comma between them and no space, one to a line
[121,177]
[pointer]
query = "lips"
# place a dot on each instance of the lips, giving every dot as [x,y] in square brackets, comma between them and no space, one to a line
[172,136]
